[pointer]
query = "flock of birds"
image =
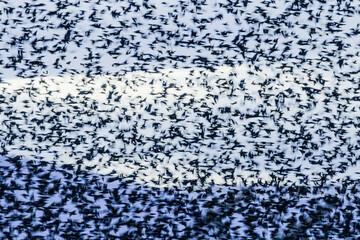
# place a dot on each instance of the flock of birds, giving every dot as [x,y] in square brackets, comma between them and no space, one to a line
[179,119]
[113,36]
[43,200]
[233,126]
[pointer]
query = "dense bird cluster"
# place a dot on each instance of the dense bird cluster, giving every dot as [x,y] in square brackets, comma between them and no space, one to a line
[112,36]
[43,201]
[246,113]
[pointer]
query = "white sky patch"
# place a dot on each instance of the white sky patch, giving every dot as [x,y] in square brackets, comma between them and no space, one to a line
[127,123]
